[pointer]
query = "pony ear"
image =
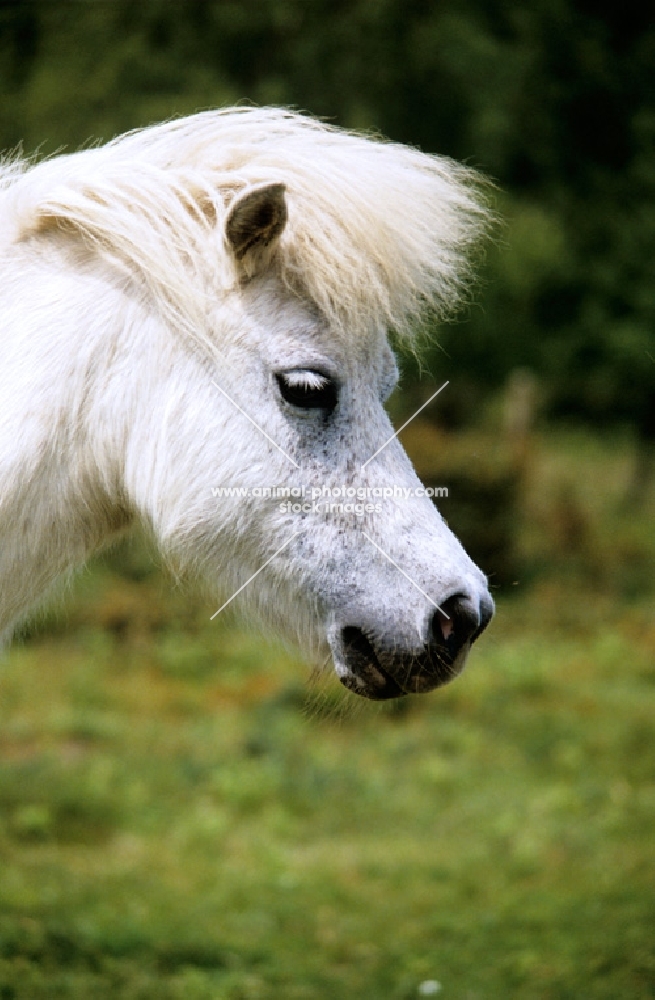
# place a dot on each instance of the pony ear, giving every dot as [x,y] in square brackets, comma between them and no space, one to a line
[256,218]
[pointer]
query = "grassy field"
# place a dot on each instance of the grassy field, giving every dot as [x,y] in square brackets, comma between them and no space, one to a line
[184,817]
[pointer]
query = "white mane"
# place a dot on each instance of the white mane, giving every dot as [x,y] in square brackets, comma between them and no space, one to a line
[377,233]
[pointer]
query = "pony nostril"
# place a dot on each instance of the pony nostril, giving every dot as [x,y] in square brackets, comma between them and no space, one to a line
[486,614]
[454,623]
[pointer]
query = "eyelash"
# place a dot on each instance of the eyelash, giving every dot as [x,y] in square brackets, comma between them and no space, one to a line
[308,389]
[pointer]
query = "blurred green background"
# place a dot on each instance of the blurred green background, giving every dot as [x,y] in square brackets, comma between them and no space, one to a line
[183,814]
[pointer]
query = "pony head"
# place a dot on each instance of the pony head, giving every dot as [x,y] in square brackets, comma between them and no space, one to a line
[220,334]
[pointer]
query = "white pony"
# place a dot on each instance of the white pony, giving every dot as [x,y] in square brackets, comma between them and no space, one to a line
[202,307]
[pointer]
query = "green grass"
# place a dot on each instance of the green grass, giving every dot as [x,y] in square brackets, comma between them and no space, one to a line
[171,833]
[183,816]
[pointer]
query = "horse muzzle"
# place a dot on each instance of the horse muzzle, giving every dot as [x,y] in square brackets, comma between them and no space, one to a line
[379,666]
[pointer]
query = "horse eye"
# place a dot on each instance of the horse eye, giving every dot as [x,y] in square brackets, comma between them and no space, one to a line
[308,389]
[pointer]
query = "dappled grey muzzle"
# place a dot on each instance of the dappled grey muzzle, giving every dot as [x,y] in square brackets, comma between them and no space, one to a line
[379,670]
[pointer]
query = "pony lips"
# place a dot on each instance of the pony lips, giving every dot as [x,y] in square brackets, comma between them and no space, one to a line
[210,298]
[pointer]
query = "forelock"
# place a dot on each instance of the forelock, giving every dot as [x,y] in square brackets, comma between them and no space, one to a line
[379,235]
